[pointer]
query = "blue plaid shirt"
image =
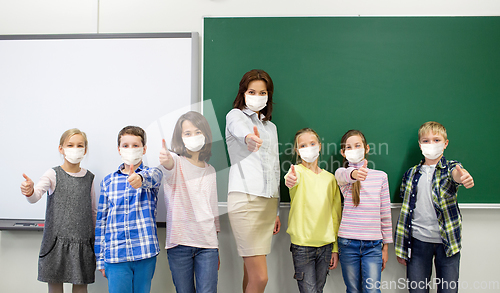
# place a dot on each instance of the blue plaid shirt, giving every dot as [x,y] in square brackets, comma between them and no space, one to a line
[126,218]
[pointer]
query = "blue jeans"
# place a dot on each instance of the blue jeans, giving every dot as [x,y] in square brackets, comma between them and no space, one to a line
[419,268]
[361,262]
[188,264]
[311,266]
[130,277]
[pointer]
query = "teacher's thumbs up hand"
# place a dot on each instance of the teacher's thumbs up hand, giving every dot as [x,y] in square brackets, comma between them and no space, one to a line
[166,159]
[463,177]
[291,178]
[27,186]
[253,140]
[362,172]
[134,179]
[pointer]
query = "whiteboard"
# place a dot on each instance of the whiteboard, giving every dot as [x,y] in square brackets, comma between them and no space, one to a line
[97,83]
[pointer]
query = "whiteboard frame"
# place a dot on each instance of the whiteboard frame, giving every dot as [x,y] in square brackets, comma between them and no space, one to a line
[7,223]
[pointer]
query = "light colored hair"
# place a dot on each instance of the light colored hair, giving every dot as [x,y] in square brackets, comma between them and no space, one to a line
[295,152]
[356,186]
[69,133]
[435,127]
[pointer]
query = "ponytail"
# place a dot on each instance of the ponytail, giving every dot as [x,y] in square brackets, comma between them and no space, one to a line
[356,186]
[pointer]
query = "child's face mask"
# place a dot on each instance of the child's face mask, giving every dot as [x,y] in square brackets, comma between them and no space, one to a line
[131,156]
[432,151]
[309,154]
[355,156]
[194,143]
[74,155]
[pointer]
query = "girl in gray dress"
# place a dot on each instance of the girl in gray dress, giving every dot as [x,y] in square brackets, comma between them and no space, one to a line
[66,253]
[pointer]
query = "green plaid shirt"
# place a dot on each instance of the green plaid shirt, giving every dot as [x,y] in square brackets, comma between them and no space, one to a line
[444,196]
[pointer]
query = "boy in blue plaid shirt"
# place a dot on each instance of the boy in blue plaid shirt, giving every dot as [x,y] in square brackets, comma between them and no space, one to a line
[126,242]
[430,223]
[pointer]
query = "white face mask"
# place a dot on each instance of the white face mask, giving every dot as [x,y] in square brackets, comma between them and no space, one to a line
[309,154]
[355,156]
[432,151]
[256,103]
[131,156]
[74,155]
[194,143]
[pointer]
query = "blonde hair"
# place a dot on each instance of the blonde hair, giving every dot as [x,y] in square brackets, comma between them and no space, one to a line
[69,133]
[298,159]
[435,127]
[356,186]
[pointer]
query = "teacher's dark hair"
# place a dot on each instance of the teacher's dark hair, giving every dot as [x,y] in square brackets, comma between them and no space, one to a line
[256,74]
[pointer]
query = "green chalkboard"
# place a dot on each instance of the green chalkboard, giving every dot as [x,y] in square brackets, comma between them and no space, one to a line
[382,75]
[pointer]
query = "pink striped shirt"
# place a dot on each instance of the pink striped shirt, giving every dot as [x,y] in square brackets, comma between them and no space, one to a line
[371,219]
[192,204]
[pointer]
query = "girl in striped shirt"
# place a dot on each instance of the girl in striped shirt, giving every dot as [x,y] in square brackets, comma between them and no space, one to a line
[191,201]
[366,228]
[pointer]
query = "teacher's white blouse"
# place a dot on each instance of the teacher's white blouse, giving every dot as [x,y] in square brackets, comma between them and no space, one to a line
[256,173]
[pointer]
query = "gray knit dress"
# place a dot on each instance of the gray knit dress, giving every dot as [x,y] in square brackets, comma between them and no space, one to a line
[67,251]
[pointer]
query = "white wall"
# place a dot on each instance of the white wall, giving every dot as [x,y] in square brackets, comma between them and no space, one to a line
[479,264]
[19,249]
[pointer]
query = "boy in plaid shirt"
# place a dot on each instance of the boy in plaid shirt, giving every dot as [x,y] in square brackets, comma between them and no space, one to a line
[126,242]
[430,224]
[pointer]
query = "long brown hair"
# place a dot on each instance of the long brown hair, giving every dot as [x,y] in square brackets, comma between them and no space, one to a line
[356,186]
[201,123]
[256,74]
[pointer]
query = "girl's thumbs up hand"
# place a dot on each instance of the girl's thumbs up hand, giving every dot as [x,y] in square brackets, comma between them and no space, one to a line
[166,159]
[253,140]
[27,187]
[134,179]
[465,178]
[363,172]
[291,178]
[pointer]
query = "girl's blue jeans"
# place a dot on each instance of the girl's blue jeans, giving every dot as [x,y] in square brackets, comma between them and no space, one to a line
[361,262]
[194,269]
[311,266]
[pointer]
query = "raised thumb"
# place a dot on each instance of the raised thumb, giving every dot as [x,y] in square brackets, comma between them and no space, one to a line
[256,131]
